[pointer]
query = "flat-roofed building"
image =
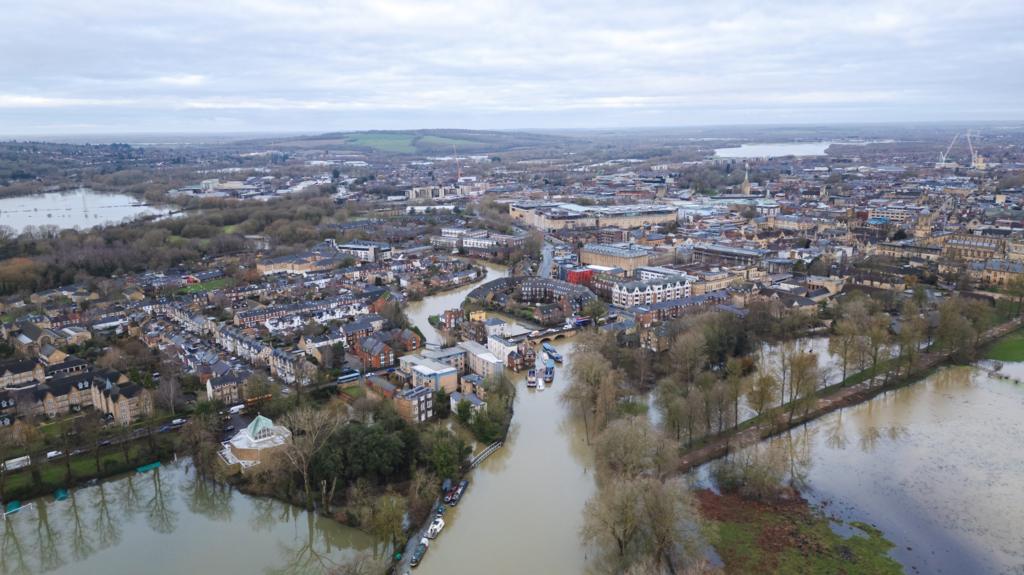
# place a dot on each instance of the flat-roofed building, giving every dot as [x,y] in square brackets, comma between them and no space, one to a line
[625,256]
[481,361]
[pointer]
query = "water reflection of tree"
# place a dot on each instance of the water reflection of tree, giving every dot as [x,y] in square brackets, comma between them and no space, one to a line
[107,527]
[209,498]
[267,513]
[131,500]
[835,432]
[159,514]
[796,446]
[310,553]
[47,538]
[81,544]
[12,552]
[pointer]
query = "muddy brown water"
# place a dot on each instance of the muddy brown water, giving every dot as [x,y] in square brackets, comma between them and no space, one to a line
[937,466]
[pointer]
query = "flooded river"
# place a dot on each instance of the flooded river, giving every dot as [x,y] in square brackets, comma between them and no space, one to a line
[936,466]
[419,311]
[524,507]
[168,522]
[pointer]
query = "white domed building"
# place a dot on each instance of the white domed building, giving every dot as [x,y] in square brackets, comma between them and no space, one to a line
[250,446]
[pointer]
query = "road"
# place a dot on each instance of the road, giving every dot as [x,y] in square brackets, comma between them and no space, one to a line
[547,261]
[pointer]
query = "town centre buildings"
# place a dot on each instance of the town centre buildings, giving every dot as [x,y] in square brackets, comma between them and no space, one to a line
[548,216]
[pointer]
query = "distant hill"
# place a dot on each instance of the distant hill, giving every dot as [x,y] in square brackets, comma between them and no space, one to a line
[422,142]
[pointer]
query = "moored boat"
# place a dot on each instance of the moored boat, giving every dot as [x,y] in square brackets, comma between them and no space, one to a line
[419,552]
[531,378]
[435,528]
[551,351]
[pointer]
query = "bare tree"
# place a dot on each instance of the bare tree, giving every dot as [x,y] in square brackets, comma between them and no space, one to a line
[311,430]
[630,447]
[612,518]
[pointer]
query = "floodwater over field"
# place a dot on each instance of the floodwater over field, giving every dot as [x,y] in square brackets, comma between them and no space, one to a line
[524,506]
[169,522]
[935,465]
[81,208]
[419,311]
[774,150]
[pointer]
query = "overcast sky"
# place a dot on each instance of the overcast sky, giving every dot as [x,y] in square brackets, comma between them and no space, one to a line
[113,66]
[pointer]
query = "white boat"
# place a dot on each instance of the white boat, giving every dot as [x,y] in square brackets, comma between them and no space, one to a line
[540,385]
[531,378]
[435,528]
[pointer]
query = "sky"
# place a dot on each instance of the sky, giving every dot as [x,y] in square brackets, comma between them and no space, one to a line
[209,66]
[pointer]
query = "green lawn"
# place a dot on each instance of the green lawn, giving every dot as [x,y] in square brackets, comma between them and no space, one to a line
[52,473]
[1009,348]
[219,283]
[355,391]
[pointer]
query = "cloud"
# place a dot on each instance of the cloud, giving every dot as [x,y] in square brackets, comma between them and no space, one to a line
[311,65]
[187,80]
[25,102]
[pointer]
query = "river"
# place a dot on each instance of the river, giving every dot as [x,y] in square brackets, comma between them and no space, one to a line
[168,522]
[419,311]
[935,465]
[524,506]
[81,208]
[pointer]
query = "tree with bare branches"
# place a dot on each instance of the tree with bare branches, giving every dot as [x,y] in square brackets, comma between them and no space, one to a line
[311,430]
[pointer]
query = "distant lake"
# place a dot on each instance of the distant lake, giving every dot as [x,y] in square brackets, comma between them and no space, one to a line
[82,208]
[775,150]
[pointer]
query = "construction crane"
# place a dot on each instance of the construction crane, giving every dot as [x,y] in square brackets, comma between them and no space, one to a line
[944,156]
[977,161]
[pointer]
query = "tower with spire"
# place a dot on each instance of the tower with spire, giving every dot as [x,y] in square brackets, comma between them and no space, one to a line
[745,186]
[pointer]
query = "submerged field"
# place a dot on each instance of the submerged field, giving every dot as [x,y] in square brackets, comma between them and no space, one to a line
[791,537]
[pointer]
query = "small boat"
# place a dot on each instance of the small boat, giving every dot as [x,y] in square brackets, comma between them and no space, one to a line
[435,528]
[149,467]
[12,507]
[419,552]
[60,495]
[551,351]
[531,378]
[549,370]
[540,386]
[459,492]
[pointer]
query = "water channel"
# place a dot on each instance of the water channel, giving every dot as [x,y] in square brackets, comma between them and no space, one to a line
[81,208]
[524,507]
[419,311]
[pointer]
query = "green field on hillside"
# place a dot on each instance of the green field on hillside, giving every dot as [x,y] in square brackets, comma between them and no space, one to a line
[398,142]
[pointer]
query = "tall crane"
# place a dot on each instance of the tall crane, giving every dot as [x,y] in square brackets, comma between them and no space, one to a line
[944,156]
[977,161]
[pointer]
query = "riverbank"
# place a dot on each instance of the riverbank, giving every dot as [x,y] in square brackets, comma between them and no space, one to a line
[789,536]
[854,390]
